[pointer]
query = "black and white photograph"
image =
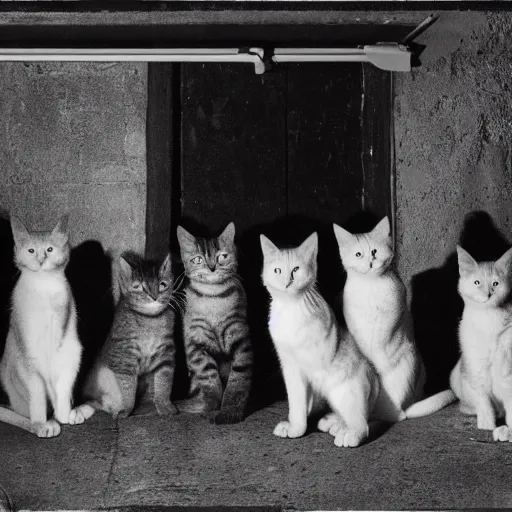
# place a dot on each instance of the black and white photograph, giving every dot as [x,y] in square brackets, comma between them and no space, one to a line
[255,255]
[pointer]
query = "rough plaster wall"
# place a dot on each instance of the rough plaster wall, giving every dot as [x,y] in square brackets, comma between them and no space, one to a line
[453,121]
[72,139]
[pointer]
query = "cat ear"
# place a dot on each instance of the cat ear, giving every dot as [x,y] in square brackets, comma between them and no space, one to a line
[125,270]
[309,248]
[383,229]
[228,235]
[267,247]
[165,268]
[466,262]
[19,231]
[504,263]
[185,239]
[60,231]
[343,237]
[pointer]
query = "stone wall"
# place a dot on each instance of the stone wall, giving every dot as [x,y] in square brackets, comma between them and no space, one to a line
[72,139]
[453,120]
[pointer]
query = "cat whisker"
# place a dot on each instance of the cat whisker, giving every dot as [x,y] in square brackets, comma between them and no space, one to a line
[179,281]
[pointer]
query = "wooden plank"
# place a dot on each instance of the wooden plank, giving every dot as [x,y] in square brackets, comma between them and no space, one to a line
[325,180]
[376,138]
[233,146]
[160,150]
[234,169]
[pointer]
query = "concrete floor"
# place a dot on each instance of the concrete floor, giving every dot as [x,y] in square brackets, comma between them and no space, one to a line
[428,463]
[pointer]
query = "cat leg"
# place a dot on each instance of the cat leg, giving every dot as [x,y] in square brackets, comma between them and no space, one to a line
[42,427]
[238,387]
[485,416]
[206,385]
[163,378]
[128,387]
[297,391]
[350,403]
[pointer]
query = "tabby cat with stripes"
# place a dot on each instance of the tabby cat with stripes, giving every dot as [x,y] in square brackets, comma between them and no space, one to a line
[216,335]
[139,353]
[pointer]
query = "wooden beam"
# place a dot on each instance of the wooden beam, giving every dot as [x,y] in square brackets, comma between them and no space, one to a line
[160,149]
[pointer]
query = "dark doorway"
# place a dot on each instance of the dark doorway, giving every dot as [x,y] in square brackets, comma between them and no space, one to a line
[284,153]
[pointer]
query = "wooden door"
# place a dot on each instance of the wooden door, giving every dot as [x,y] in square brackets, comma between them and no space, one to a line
[284,154]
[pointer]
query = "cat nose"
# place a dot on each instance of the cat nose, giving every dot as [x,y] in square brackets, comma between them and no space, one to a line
[41,258]
[489,295]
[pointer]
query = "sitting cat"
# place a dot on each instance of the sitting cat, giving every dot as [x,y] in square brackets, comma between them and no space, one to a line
[482,378]
[319,360]
[377,316]
[42,352]
[215,331]
[140,345]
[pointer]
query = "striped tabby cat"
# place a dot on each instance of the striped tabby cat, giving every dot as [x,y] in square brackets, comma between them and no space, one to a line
[216,336]
[140,345]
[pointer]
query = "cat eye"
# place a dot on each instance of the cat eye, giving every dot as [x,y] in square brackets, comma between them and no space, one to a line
[197,260]
[163,285]
[277,270]
[50,249]
[358,254]
[295,270]
[31,251]
[477,282]
[495,283]
[221,258]
[136,285]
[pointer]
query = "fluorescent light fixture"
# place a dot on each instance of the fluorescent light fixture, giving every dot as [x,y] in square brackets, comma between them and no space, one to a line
[390,57]
[387,56]
[251,55]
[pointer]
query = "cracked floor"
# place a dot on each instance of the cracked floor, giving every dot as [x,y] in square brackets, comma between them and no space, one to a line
[146,460]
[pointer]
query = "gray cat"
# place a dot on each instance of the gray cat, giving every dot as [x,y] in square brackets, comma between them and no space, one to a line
[140,344]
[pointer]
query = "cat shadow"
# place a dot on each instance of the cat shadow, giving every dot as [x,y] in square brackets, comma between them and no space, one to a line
[89,272]
[436,306]
[8,278]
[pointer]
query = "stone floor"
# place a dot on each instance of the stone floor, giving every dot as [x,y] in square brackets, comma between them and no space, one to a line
[438,462]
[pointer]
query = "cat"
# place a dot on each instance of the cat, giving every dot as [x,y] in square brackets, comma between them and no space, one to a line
[376,313]
[319,359]
[482,377]
[140,350]
[216,334]
[42,352]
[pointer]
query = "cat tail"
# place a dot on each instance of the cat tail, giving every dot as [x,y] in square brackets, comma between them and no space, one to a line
[431,404]
[13,418]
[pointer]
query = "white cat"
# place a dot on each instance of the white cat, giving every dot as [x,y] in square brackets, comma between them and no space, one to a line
[377,316]
[482,378]
[42,352]
[319,360]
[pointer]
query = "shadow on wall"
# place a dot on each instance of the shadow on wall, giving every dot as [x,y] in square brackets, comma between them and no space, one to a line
[436,305]
[90,275]
[8,276]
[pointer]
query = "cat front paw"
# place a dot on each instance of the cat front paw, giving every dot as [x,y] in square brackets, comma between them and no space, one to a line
[330,423]
[77,415]
[227,416]
[350,438]
[198,404]
[287,429]
[50,428]
[166,408]
[502,434]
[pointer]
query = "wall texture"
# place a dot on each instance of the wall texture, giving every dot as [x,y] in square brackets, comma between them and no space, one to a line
[453,120]
[72,139]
